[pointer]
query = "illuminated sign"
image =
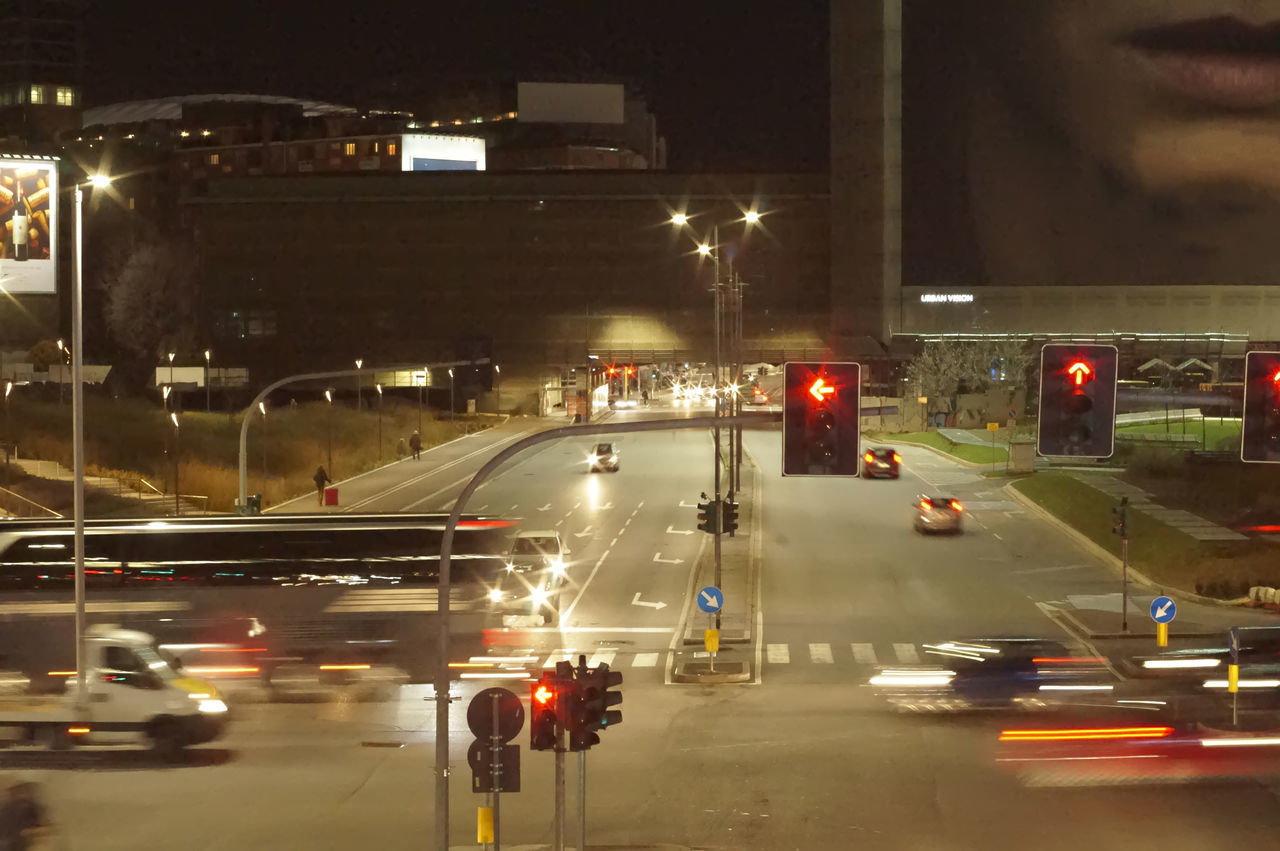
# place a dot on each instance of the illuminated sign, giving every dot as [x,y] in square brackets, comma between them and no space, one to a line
[431,152]
[821,390]
[946,298]
[28,211]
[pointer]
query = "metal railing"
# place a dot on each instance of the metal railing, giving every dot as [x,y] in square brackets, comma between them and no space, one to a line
[18,505]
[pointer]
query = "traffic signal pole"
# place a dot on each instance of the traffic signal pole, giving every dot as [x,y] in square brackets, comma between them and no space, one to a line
[718,382]
[582,801]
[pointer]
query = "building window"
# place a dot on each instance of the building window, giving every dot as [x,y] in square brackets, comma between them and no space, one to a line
[133,203]
[349,149]
[37,94]
[253,323]
[66,96]
[391,149]
[214,159]
[376,147]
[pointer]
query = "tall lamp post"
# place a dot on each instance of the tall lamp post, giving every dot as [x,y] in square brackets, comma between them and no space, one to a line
[426,377]
[452,403]
[497,373]
[99,181]
[379,388]
[177,463]
[8,429]
[359,366]
[262,406]
[208,390]
[62,360]
[171,357]
[328,396]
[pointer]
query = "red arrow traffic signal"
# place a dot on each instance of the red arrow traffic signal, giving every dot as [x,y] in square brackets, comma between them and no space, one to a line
[821,390]
[1081,371]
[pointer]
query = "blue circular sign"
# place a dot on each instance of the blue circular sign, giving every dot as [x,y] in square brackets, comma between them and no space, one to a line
[710,599]
[1163,610]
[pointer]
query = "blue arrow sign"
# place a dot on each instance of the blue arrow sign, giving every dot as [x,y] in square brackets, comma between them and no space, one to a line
[1163,610]
[710,599]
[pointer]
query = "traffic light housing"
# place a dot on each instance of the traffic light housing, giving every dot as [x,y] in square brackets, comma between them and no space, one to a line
[1077,400]
[474,378]
[1260,434]
[729,516]
[708,517]
[820,419]
[1120,518]
[544,712]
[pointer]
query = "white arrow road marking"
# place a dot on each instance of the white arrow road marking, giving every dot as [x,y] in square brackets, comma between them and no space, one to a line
[660,560]
[605,507]
[636,601]
[712,599]
[1160,612]
[546,507]
[684,504]
[671,531]
[583,533]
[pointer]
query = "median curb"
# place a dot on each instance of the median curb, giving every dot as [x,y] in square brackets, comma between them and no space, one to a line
[933,449]
[1106,557]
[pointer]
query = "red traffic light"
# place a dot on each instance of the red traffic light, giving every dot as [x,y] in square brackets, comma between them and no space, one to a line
[820,389]
[544,695]
[1081,371]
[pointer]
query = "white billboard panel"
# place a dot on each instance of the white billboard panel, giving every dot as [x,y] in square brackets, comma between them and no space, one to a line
[28,210]
[570,103]
[431,152]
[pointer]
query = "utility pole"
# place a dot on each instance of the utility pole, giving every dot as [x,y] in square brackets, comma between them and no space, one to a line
[715,239]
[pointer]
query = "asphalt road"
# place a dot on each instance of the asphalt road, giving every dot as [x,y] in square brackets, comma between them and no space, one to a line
[806,758]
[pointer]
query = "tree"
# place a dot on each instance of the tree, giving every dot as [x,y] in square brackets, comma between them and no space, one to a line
[151,296]
[944,368]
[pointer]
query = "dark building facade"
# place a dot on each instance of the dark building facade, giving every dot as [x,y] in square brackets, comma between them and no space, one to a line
[306,273]
[41,69]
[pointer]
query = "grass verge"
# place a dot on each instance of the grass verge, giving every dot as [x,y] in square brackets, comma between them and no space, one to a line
[964,451]
[1168,557]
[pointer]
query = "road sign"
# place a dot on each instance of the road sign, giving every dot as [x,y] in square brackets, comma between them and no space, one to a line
[710,599]
[510,714]
[993,426]
[1013,414]
[1234,635]
[480,759]
[1163,610]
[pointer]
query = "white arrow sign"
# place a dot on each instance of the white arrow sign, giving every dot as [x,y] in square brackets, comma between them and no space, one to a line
[636,601]
[671,531]
[711,599]
[660,560]
[546,507]
[583,533]
[1163,610]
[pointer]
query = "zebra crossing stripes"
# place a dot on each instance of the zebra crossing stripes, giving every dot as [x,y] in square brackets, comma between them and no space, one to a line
[907,654]
[601,657]
[821,654]
[863,653]
[644,660]
[394,600]
[778,654]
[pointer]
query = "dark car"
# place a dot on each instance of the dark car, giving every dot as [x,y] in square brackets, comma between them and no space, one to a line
[603,457]
[881,462]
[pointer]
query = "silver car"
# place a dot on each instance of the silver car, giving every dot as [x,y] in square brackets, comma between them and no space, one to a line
[938,514]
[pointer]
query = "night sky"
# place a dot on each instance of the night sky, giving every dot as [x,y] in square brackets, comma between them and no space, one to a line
[735,84]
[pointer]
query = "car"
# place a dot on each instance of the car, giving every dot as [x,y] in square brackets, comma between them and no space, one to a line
[881,462]
[537,568]
[758,397]
[938,514]
[604,456]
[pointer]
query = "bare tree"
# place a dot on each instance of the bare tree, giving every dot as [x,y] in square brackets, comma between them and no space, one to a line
[944,367]
[151,296]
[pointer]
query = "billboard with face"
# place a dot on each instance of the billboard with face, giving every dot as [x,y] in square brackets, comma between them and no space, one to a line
[1091,142]
[28,210]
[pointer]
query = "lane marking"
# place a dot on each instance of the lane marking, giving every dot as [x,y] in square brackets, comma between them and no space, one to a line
[1050,569]
[636,601]
[645,660]
[602,656]
[644,630]
[614,542]
[107,607]
[559,656]
[821,653]
[546,507]
[907,654]
[514,507]
[864,654]
[576,504]
[564,616]
[778,654]
[671,531]
[657,557]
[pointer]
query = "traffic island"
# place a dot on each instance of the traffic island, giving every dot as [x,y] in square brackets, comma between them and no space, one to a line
[712,673]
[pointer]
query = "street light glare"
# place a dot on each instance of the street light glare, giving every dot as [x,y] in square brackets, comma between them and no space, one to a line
[379,386]
[328,395]
[207,354]
[704,250]
[680,219]
[752,217]
[359,363]
[174,416]
[262,406]
[99,181]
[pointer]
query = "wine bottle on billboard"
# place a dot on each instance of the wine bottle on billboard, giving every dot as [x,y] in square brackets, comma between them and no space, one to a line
[21,234]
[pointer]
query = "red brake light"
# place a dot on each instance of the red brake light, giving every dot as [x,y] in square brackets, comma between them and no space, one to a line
[869,457]
[926,503]
[1085,733]
[955,504]
[897,459]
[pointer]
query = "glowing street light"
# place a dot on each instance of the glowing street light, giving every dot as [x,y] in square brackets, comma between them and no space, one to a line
[359,366]
[378,387]
[208,391]
[704,249]
[751,217]
[328,397]
[679,220]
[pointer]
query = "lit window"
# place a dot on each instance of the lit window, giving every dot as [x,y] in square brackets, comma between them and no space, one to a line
[391,149]
[375,147]
[350,149]
[37,94]
[66,96]
[214,159]
[133,203]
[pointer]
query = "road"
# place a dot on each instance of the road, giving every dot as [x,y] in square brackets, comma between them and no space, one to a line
[806,758]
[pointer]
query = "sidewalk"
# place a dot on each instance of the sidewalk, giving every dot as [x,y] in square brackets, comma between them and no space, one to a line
[1139,500]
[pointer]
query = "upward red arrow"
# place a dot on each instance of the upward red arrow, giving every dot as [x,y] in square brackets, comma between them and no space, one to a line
[1080,370]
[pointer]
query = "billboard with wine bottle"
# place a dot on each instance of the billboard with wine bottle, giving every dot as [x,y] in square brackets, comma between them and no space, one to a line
[28,209]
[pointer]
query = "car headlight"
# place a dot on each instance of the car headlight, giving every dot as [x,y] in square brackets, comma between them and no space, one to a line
[591,459]
[539,596]
[212,706]
[613,459]
[510,567]
[495,594]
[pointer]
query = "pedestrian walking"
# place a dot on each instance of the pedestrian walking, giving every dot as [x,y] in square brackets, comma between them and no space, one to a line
[415,444]
[321,478]
[23,825]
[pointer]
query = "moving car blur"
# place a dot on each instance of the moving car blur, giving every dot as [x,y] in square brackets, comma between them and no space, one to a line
[882,461]
[938,514]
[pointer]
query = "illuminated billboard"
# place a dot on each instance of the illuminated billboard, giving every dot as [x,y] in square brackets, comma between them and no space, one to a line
[28,209]
[571,103]
[431,152]
[1068,143]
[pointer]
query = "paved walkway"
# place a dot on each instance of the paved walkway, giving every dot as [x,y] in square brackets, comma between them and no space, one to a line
[1184,521]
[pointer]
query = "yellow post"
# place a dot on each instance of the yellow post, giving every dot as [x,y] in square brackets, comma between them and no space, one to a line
[711,638]
[1162,635]
[1233,678]
[484,824]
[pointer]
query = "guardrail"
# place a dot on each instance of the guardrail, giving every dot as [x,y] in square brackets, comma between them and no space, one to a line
[19,506]
[1156,437]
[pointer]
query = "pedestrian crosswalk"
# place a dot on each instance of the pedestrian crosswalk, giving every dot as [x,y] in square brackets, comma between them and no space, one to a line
[860,653]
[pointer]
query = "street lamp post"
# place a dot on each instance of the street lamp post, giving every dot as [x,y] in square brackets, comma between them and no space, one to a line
[421,384]
[8,429]
[379,388]
[328,395]
[497,373]
[452,403]
[262,406]
[208,390]
[171,356]
[62,359]
[77,435]
[359,366]
[177,463]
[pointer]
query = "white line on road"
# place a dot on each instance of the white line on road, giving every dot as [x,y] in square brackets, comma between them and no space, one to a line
[546,507]
[645,660]
[907,654]
[514,507]
[564,616]
[671,531]
[614,542]
[997,534]
[636,601]
[576,504]
[582,629]
[660,560]
[864,654]
[604,657]
[821,653]
[559,656]
[1051,569]
[778,654]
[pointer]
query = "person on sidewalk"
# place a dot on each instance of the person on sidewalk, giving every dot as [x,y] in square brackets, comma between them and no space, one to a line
[321,478]
[415,444]
[23,825]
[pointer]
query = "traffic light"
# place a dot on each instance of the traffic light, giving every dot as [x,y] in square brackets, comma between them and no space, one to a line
[544,710]
[1120,518]
[1077,400]
[707,517]
[1260,436]
[820,419]
[476,378]
[729,516]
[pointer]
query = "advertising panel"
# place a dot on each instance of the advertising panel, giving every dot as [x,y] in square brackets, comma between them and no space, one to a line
[1070,143]
[28,209]
[570,103]
[431,152]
